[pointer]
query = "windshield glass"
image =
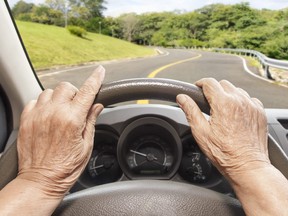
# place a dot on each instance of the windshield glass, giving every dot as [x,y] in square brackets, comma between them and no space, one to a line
[245,43]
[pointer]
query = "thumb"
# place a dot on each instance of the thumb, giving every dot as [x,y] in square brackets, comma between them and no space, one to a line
[88,134]
[195,118]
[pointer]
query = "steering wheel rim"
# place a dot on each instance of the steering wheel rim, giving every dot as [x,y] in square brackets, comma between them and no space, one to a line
[156,88]
[157,197]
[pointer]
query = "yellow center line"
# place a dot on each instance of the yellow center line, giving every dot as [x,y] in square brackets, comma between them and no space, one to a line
[157,71]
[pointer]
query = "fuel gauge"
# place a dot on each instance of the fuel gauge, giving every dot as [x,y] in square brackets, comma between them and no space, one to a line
[195,166]
[103,167]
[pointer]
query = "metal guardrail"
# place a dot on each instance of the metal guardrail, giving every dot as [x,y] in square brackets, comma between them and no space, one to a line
[263,60]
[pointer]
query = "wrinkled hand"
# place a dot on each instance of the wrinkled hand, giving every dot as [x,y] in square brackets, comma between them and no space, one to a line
[235,136]
[56,135]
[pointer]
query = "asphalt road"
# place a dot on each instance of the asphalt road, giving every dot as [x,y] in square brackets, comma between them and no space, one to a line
[184,65]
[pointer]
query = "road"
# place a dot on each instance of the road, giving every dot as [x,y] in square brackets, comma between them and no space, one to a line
[184,65]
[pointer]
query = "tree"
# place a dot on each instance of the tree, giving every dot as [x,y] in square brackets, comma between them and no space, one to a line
[57,4]
[95,7]
[129,23]
[276,47]
[149,24]
[21,7]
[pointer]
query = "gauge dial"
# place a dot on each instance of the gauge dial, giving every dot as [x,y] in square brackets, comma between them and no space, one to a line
[103,167]
[195,166]
[149,148]
[149,155]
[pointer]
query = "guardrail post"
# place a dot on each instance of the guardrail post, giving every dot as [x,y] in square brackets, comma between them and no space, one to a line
[267,73]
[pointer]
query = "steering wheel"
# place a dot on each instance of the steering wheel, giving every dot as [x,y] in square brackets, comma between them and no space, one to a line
[149,197]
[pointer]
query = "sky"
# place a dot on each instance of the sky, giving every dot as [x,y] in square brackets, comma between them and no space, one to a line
[117,7]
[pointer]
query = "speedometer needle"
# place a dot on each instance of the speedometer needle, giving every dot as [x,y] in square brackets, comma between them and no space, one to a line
[139,153]
[150,157]
[97,167]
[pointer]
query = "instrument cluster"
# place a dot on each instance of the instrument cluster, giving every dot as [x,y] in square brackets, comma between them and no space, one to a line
[147,148]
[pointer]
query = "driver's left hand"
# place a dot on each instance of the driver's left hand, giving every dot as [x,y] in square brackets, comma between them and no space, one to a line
[56,135]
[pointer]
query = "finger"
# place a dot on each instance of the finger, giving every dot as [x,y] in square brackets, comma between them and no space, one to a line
[257,102]
[65,91]
[30,106]
[89,130]
[44,97]
[211,89]
[243,92]
[87,93]
[227,86]
[197,121]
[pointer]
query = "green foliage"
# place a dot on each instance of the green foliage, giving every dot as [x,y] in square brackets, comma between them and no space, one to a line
[191,43]
[277,48]
[129,24]
[25,17]
[77,31]
[93,8]
[21,7]
[215,25]
[51,46]
[78,12]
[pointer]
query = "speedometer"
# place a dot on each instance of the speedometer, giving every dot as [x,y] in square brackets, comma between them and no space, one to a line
[149,148]
[150,155]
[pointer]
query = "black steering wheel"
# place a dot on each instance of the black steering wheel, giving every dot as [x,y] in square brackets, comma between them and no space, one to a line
[149,197]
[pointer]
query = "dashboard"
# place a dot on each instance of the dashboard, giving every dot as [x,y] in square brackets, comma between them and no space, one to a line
[140,142]
[135,142]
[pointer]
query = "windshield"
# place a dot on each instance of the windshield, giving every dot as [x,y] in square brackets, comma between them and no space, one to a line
[244,43]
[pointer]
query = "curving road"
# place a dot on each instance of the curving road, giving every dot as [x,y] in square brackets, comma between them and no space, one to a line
[184,65]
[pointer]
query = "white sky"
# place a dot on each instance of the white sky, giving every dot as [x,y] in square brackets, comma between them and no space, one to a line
[117,7]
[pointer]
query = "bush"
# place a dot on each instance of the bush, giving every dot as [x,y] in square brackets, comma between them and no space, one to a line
[276,48]
[24,17]
[76,30]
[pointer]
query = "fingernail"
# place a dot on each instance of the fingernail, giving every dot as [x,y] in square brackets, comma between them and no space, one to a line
[98,109]
[181,99]
[101,70]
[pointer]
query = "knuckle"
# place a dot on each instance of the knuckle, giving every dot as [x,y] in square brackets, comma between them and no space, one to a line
[243,94]
[224,81]
[45,93]
[209,80]
[256,100]
[189,119]
[88,89]
[48,91]
[65,85]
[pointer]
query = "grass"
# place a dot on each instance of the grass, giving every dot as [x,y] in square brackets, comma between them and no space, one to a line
[50,46]
[253,62]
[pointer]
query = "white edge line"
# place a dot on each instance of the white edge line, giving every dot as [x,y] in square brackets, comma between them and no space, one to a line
[250,72]
[253,74]
[259,77]
[163,54]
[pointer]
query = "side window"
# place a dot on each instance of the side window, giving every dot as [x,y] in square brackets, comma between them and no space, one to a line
[3,125]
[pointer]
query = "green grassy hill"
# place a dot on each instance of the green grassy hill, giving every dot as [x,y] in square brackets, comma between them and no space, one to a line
[53,46]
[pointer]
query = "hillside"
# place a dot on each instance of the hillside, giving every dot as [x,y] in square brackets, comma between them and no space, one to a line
[53,46]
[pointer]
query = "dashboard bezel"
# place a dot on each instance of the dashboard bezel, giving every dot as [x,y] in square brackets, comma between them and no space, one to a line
[132,132]
[116,119]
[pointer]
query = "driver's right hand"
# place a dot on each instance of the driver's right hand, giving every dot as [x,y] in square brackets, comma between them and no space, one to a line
[235,136]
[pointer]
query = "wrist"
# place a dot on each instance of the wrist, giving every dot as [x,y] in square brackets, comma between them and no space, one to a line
[240,174]
[261,191]
[25,197]
[46,182]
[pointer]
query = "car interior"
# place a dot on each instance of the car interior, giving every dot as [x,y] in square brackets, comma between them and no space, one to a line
[144,157]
